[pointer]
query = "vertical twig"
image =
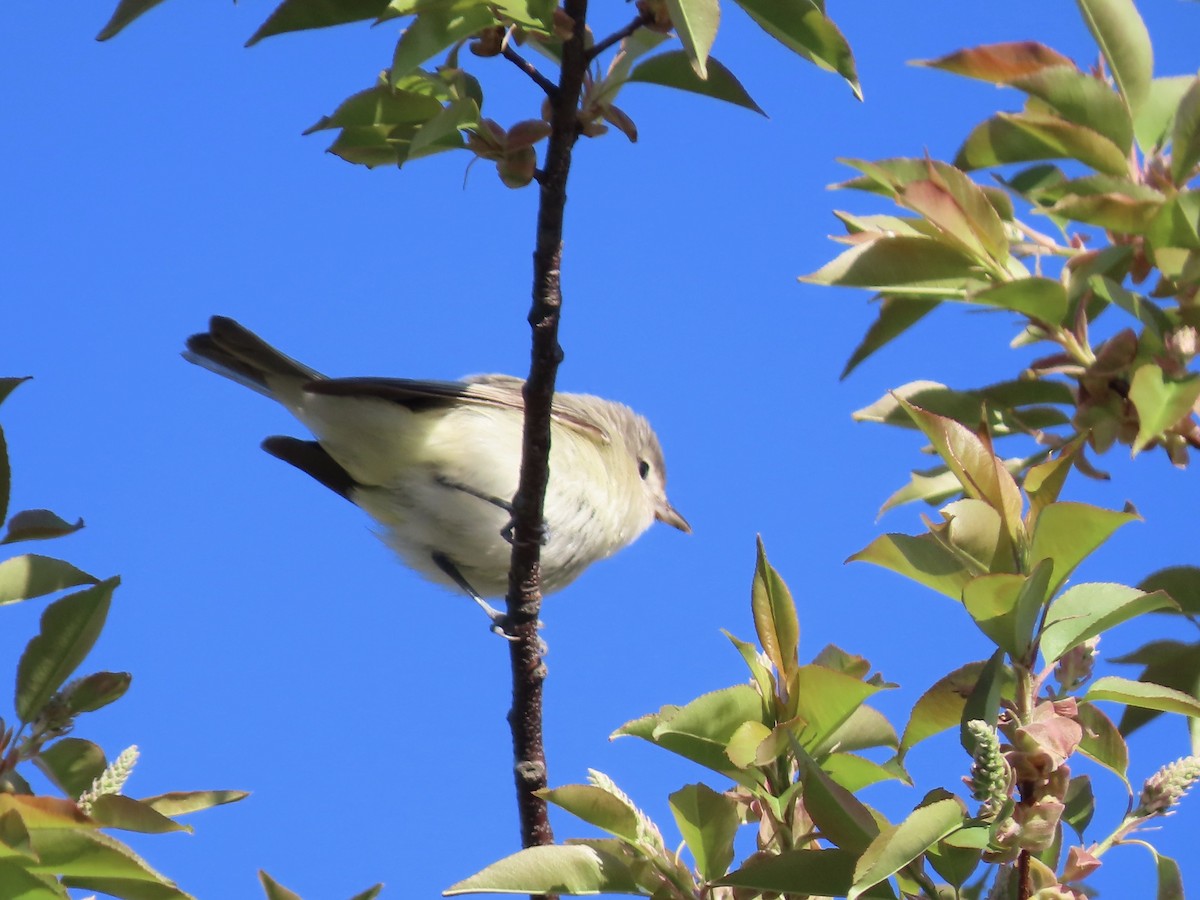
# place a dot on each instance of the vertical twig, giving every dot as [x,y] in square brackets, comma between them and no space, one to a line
[524,588]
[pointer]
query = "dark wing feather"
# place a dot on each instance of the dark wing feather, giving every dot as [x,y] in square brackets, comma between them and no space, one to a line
[502,391]
[311,458]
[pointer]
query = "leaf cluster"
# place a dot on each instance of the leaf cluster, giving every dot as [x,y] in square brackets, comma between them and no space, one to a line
[787,746]
[1107,157]
[412,112]
[51,843]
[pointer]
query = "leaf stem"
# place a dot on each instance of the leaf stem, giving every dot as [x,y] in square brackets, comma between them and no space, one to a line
[529,69]
[598,48]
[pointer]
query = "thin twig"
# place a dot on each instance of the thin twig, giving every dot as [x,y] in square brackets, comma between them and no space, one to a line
[524,585]
[598,48]
[529,69]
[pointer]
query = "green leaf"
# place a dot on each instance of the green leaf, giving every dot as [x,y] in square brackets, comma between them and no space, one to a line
[1102,742]
[775,618]
[1121,36]
[1067,533]
[1185,135]
[370,893]
[1007,406]
[378,126]
[754,744]
[1169,663]
[432,31]
[1177,223]
[44,813]
[1087,610]
[14,836]
[983,703]
[91,860]
[957,205]
[1006,606]
[856,772]
[1160,404]
[273,889]
[1041,299]
[30,575]
[999,63]
[838,814]
[69,628]
[824,700]
[119,811]
[596,807]
[1181,582]
[7,386]
[1026,137]
[863,729]
[1170,878]
[759,672]
[1083,99]
[824,873]
[631,49]
[442,131]
[179,803]
[95,691]
[571,869]
[301,15]
[696,23]
[895,847]
[934,486]
[1142,695]
[5,477]
[18,883]
[954,860]
[896,316]
[924,559]
[981,474]
[941,707]
[674,70]
[708,822]
[1153,122]
[126,12]
[72,764]
[888,264]
[1117,212]
[37,525]
[701,730]
[1144,310]
[1044,482]
[803,27]
[1079,803]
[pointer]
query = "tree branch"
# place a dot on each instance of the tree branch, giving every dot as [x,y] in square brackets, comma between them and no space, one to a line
[524,585]
[529,69]
[641,21]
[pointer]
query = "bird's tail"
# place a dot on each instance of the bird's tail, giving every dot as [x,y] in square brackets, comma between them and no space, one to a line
[239,354]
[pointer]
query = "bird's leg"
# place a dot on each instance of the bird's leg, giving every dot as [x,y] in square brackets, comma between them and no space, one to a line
[507,531]
[499,620]
[467,489]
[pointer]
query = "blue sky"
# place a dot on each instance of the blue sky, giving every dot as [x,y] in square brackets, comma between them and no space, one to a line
[276,646]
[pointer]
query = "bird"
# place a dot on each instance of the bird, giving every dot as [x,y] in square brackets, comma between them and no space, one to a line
[436,463]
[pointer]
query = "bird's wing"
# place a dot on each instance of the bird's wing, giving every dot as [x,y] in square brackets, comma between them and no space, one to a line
[502,391]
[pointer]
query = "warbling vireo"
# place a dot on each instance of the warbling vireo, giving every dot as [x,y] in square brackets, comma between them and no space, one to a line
[436,463]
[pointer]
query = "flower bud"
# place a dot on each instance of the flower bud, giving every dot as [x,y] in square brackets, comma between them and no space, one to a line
[1165,788]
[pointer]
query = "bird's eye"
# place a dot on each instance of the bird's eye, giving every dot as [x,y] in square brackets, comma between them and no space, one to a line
[643,468]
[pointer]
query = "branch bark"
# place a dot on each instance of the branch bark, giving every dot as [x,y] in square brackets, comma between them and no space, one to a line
[524,587]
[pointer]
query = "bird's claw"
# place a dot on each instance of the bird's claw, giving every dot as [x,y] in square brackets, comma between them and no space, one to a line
[507,532]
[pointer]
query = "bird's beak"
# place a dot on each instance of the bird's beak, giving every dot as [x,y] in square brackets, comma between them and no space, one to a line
[667,513]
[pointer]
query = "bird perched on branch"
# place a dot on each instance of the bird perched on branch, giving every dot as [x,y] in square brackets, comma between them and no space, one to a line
[436,463]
